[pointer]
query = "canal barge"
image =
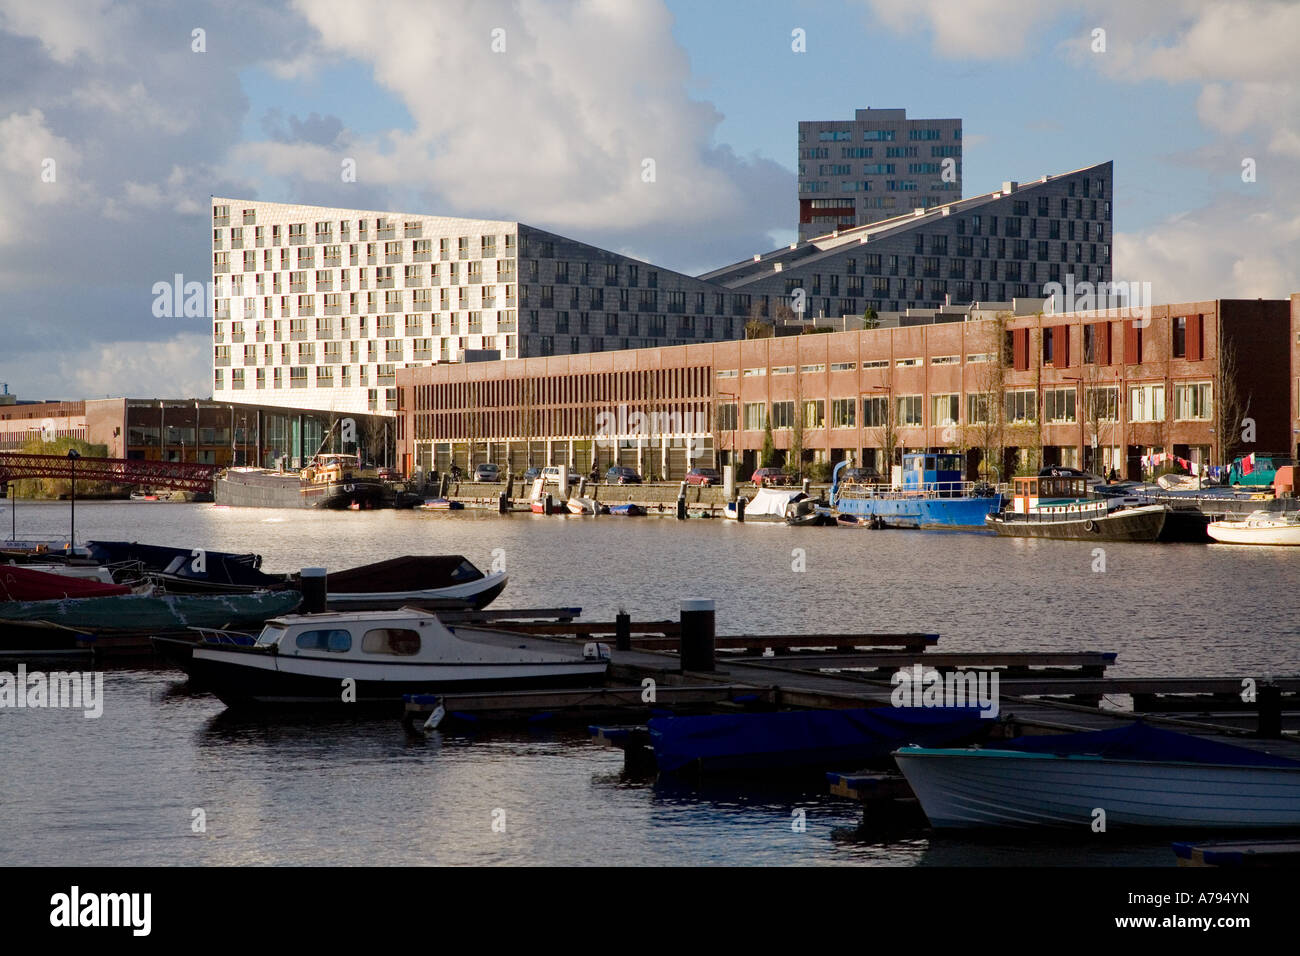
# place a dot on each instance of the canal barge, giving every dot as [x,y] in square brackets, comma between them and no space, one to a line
[1060,506]
[329,481]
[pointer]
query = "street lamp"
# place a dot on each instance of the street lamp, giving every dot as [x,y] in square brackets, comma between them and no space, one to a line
[72,467]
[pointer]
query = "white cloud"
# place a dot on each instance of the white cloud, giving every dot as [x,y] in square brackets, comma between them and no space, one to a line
[179,367]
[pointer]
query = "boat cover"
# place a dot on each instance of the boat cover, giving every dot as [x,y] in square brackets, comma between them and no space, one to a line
[769,501]
[800,738]
[24,584]
[412,572]
[1141,741]
[220,567]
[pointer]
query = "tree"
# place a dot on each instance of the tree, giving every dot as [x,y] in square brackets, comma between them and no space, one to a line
[768,457]
[758,329]
[61,487]
[989,435]
[870,320]
[795,459]
[1230,406]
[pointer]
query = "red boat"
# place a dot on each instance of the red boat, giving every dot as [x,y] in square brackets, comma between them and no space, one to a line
[23,584]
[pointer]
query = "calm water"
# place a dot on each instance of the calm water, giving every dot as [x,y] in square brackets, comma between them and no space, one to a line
[123,789]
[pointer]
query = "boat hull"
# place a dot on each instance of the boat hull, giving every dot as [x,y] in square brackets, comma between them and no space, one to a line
[265,489]
[963,789]
[252,679]
[955,514]
[1235,532]
[151,614]
[1143,523]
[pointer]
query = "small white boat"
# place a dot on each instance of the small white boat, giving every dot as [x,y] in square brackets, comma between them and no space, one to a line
[1138,775]
[1259,527]
[91,572]
[768,504]
[583,506]
[375,657]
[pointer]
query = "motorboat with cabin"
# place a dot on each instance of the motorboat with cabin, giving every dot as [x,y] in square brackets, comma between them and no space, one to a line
[1061,506]
[376,657]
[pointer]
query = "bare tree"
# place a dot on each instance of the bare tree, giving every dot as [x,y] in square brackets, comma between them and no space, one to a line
[989,434]
[1230,406]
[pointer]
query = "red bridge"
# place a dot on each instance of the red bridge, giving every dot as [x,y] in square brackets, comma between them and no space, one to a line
[182,476]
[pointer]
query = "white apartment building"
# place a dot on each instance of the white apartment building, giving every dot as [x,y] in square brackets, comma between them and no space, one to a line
[317,307]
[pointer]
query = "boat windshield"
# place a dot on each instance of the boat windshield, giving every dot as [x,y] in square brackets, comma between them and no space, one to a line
[271,634]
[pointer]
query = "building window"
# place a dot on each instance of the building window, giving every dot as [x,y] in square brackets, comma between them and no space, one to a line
[945,409]
[1192,402]
[727,417]
[755,416]
[978,406]
[874,412]
[1058,404]
[842,413]
[1022,405]
[782,415]
[1103,405]
[1146,403]
[909,410]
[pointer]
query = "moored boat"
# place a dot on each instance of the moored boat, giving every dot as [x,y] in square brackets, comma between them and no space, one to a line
[328,481]
[1276,529]
[627,510]
[377,657]
[768,504]
[151,613]
[27,583]
[803,739]
[1141,776]
[930,495]
[1060,506]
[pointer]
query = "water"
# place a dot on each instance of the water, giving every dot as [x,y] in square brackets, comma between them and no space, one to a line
[124,789]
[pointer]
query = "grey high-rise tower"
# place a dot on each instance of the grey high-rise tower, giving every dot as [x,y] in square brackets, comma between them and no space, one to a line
[876,166]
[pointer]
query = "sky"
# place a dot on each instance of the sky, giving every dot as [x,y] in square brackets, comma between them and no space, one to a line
[119,119]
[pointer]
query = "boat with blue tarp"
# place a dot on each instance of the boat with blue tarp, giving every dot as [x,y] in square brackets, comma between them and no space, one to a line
[804,739]
[931,494]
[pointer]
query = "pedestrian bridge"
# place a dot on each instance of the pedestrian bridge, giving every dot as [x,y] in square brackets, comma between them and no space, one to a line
[181,476]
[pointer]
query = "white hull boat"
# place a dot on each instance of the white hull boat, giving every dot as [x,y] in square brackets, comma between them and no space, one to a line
[377,657]
[768,504]
[583,506]
[983,788]
[1260,527]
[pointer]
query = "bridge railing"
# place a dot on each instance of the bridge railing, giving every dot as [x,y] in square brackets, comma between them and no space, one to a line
[181,476]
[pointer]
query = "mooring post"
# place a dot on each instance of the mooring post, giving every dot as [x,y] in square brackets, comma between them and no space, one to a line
[443,484]
[315,590]
[698,629]
[503,503]
[623,631]
[807,486]
[550,504]
[740,508]
[1269,700]
[681,501]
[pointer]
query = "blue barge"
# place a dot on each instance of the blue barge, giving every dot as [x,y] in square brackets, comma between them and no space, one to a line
[932,495]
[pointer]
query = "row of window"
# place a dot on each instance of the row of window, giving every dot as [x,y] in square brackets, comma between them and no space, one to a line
[1192,402]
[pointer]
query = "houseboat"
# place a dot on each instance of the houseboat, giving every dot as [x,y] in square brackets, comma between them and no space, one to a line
[329,481]
[1060,506]
[931,493]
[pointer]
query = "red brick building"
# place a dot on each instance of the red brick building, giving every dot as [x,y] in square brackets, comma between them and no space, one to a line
[1099,388]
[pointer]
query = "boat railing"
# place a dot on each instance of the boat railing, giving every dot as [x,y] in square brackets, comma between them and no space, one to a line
[212,635]
[1046,512]
[929,489]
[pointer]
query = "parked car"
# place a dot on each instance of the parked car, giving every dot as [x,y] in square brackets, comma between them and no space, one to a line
[532,473]
[552,475]
[703,476]
[622,475]
[387,474]
[765,477]
[860,476]
[487,472]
